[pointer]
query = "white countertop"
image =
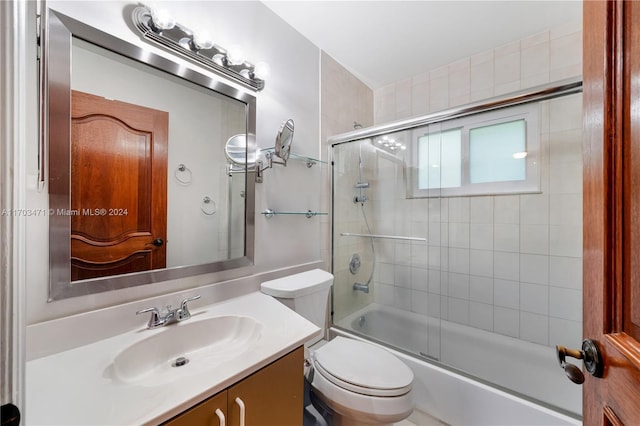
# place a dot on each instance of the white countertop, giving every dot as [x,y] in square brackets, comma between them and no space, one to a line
[78,386]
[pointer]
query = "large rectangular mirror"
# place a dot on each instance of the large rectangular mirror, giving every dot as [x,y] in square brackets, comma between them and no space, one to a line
[141,188]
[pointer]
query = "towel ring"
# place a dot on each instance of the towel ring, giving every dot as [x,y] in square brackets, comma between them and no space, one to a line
[208,206]
[186,179]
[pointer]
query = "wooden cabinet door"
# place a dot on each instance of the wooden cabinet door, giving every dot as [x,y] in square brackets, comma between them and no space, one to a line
[212,412]
[273,396]
[612,208]
[118,187]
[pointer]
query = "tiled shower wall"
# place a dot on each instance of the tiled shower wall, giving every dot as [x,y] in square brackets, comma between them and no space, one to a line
[549,56]
[511,264]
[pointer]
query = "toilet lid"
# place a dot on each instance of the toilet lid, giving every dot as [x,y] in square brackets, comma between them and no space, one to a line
[362,367]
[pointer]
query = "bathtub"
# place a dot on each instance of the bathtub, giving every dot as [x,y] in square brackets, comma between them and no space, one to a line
[493,372]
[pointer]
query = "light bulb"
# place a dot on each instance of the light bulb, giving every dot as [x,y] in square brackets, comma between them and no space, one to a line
[218,59]
[202,39]
[185,42]
[261,70]
[235,55]
[162,19]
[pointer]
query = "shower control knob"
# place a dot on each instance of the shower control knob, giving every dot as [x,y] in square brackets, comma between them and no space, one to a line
[590,355]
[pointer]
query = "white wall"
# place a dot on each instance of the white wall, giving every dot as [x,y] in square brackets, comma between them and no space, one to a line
[291,92]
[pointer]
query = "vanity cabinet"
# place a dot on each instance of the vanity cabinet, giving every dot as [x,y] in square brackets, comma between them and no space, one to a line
[272,396]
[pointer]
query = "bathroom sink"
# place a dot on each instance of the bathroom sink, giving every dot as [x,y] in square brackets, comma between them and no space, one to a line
[186,348]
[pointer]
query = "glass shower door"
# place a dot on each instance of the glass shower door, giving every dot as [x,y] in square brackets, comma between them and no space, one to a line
[387,274]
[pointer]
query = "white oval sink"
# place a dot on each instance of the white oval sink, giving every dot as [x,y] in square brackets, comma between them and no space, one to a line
[205,344]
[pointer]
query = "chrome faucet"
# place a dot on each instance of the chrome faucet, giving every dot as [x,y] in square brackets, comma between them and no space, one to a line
[361,287]
[172,315]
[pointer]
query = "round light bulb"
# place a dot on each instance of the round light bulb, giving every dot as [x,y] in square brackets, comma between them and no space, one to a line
[162,19]
[235,55]
[202,39]
[218,59]
[261,70]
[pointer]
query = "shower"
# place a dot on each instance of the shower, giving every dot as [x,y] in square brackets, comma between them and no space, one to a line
[465,258]
[361,198]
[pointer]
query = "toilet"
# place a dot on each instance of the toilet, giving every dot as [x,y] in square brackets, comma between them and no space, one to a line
[359,383]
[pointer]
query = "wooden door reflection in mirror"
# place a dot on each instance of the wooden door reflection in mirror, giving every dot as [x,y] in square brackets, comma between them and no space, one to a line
[118,187]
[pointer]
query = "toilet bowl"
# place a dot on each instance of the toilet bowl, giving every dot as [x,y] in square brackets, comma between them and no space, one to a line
[360,383]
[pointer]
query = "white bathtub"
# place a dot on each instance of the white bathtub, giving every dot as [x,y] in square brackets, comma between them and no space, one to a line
[522,367]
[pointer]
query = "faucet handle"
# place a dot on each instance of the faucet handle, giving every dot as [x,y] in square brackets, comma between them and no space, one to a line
[183,312]
[154,320]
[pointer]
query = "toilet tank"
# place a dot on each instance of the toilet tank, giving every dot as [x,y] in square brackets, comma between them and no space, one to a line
[307,293]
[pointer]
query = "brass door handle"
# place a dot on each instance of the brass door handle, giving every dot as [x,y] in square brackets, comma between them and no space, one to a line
[590,355]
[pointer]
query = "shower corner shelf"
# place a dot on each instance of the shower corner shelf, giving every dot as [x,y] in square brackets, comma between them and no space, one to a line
[269,213]
[309,161]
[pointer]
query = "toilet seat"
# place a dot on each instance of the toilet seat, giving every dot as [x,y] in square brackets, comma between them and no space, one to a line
[362,368]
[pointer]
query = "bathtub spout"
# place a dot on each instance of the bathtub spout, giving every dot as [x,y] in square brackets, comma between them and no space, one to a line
[361,287]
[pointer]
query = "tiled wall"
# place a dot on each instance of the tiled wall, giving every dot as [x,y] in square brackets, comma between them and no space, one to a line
[511,264]
[549,56]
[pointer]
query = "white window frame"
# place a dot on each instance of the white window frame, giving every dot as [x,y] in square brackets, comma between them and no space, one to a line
[528,112]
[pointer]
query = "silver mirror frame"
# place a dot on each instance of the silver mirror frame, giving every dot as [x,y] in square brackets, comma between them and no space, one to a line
[55,108]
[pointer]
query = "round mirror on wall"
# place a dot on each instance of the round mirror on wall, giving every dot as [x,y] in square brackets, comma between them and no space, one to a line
[284,139]
[236,151]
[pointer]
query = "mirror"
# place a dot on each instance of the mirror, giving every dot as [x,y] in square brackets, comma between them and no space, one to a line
[236,151]
[284,140]
[138,180]
[279,154]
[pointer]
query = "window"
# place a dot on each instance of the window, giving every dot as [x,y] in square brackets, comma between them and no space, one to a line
[439,159]
[495,152]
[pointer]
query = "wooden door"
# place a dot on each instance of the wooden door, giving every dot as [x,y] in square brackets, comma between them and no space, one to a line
[118,187]
[272,396]
[612,208]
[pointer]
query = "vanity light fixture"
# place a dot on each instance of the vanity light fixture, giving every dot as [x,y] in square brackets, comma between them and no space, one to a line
[159,27]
